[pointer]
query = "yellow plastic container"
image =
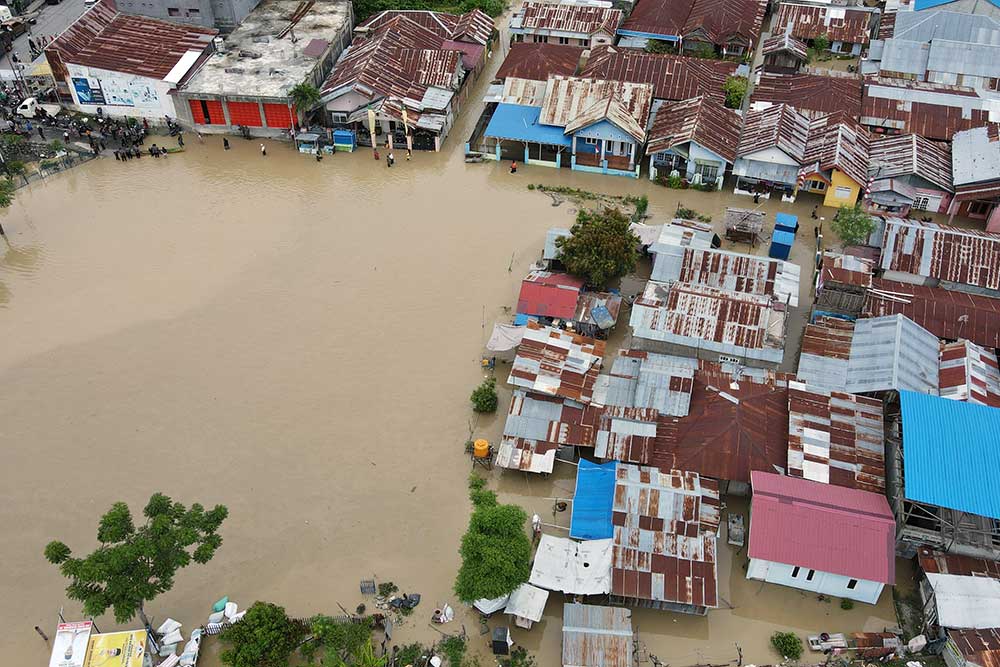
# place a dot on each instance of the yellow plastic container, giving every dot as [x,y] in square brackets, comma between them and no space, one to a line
[481,448]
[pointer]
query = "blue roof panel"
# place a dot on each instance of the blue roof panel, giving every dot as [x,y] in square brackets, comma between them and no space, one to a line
[951,453]
[593,500]
[520,123]
[930,4]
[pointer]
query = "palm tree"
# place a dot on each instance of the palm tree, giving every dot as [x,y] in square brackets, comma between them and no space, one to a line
[366,657]
[305,97]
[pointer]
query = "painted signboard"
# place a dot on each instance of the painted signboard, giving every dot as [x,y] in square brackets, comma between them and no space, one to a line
[69,646]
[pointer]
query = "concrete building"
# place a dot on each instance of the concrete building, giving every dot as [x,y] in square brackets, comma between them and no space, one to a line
[247,82]
[820,538]
[125,65]
[223,15]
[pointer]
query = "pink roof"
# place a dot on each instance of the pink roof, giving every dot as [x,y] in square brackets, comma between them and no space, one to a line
[549,295]
[822,527]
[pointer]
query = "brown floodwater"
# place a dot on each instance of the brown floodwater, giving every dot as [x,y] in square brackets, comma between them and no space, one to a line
[296,340]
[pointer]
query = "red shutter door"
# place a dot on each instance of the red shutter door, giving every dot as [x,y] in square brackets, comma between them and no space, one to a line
[196,112]
[277,115]
[215,115]
[244,113]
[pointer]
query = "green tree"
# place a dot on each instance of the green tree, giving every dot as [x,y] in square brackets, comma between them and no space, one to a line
[13,168]
[659,46]
[821,43]
[703,50]
[134,564]
[735,89]
[305,97]
[341,639]
[496,550]
[484,397]
[600,248]
[852,224]
[787,644]
[7,189]
[266,637]
[366,657]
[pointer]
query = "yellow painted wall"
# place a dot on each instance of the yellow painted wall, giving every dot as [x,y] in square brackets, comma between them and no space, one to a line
[840,180]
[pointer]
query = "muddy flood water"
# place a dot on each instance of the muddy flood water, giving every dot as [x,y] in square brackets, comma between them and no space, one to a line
[297,341]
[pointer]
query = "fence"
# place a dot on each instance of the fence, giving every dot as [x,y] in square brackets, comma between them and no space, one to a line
[51,166]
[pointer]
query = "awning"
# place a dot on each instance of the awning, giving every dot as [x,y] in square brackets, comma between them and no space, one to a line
[490,606]
[505,337]
[528,602]
[581,568]
[520,123]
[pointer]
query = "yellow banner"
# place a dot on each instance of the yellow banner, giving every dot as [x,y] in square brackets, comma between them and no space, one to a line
[117,649]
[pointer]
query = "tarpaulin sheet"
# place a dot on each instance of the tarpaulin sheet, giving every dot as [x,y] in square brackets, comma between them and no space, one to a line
[592,501]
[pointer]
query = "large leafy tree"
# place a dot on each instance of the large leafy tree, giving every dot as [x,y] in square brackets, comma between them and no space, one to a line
[134,563]
[600,248]
[305,97]
[852,224]
[496,551]
[266,637]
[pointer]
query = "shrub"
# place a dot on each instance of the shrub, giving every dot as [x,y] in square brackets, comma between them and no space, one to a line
[821,43]
[454,650]
[787,644]
[846,604]
[484,397]
[735,89]
[675,181]
[266,637]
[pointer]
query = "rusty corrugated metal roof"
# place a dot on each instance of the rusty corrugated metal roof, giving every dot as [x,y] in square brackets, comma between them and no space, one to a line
[557,363]
[538,62]
[911,154]
[845,269]
[778,126]
[811,94]
[837,141]
[701,120]
[938,251]
[835,438]
[474,26]
[839,24]
[934,562]
[969,373]
[594,636]
[785,43]
[826,353]
[672,77]
[665,529]
[534,16]
[932,110]
[725,23]
[572,101]
[978,647]
[106,39]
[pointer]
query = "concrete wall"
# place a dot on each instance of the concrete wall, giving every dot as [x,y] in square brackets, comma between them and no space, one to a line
[840,180]
[222,14]
[120,94]
[821,582]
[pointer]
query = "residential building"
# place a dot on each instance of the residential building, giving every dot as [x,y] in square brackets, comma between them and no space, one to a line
[989,8]
[125,65]
[847,29]
[851,557]
[539,61]
[811,94]
[600,124]
[566,23]
[969,373]
[835,161]
[558,363]
[223,15]
[238,87]
[770,152]
[697,138]
[926,253]
[825,353]
[972,648]
[842,282]
[975,168]
[940,480]
[594,636]
[907,173]
[783,54]
[728,27]
[931,110]
[552,298]
[406,74]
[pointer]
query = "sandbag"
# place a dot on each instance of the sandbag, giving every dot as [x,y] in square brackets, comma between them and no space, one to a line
[216,617]
[173,637]
[167,649]
[230,610]
[168,626]
[191,647]
[220,604]
[239,616]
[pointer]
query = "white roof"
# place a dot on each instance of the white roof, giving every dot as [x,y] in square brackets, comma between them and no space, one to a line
[505,337]
[582,568]
[528,602]
[966,602]
[488,606]
[182,66]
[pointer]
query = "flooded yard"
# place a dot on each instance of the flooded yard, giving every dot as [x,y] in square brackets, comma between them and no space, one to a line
[298,341]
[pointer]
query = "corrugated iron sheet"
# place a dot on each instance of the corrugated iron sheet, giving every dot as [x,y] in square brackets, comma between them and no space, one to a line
[701,120]
[665,529]
[568,98]
[785,43]
[729,24]
[835,438]
[549,294]
[527,60]
[778,126]
[939,563]
[738,272]
[837,141]
[976,163]
[672,77]
[557,363]
[945,313]
[911,154]
[543,17]
[934,111]
[826,353]
[593,635]
[978,647]
[845,270]
[969,373]
[808,22]
[937,251]
[812,94]
[892,353]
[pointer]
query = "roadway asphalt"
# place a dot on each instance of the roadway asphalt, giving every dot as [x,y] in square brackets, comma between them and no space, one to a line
[51,20]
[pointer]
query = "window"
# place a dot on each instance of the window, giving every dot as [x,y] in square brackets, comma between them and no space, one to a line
[979,208]
[852,584]
[921,202]
[795,572]
[518,38]
[173,11]
[842,192]
[564,40]
[590,140]
[540,39]
[338,117]
[809,577]
[709,172]
[193,12]
[819,186]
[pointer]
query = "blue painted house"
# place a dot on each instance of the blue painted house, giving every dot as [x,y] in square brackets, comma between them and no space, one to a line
[697,138]
[585,124]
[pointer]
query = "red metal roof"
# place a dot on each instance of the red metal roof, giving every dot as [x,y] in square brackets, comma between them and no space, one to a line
[945,313]
[105,39]
[701,120]
[672,77]
[852,26]
[527,60]
[571,18]
[719,22]
[822,527]
[954,254]
[811,94]
[931,110]
[549,295]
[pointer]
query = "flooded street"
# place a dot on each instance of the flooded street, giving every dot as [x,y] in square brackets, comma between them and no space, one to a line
[297,341]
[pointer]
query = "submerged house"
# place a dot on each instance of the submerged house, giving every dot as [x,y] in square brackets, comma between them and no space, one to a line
[599,125]
[851,556]
[594,636]
[728,27]
[976,173]
[697,138]
[783,53]
[908,173]
[835,161]
[567,23]
[770,152]
[847,29]
[405,75]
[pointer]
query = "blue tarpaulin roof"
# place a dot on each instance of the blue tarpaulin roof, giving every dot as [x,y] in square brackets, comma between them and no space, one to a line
[520,123]
[951,456]
[593,500]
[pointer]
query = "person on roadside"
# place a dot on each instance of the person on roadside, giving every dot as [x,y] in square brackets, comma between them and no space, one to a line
[41,132]
[180,140]
[263,150]
[225,143]
[513,166]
